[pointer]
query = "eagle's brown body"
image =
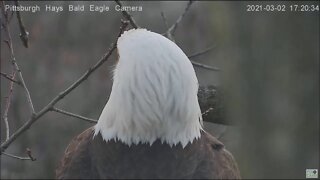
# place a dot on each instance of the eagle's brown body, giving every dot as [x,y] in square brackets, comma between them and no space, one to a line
[89,157]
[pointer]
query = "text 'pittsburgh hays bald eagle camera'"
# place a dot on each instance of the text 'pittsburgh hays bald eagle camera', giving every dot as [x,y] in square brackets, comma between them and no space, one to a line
[151,126]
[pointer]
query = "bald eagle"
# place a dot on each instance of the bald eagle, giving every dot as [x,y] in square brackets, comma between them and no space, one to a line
[151,126]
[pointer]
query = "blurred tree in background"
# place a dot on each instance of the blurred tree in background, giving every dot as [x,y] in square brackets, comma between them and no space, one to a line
[269,77]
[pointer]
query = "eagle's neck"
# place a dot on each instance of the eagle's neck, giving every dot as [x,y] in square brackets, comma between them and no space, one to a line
[154,96]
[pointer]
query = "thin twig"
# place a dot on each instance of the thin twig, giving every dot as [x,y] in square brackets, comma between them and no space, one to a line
[16,157]
[11,86]
[9,20]
[24,35]
[205,66]
[73,115]
[62,94]
[10,78]
[7,107]
[13,60]
[5,15]
[201,52]
[164,18]
[207,111]
[170,31]
[128,16]
[29,153]
[170,34]
[173,28]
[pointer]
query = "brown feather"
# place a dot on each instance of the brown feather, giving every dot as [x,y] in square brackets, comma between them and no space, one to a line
[92,158]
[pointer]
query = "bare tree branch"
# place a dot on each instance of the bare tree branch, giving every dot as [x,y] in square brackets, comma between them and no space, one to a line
[173,28]
[207,111]
[10,78]
[9,20]
[128,16]
[16,157]
[62,94]
[28,152]
[164,19]
[170,34]
[205,66]
[74,115]
[201,52]
[13,60]
[7,106]
[24,35]
[11,85]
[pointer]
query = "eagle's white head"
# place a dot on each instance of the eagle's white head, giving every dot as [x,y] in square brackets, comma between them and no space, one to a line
[154,93]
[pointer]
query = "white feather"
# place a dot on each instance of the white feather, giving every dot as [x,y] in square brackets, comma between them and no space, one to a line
[154,93]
